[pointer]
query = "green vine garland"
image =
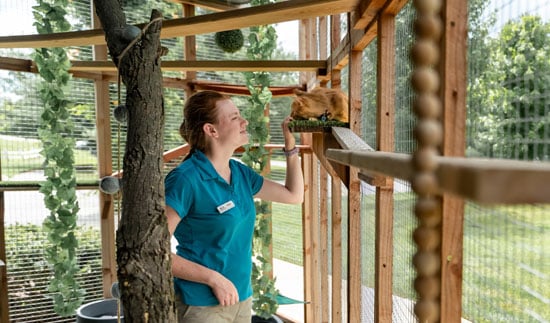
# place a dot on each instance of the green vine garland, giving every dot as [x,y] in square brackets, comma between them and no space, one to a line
[262,42]
[59,189]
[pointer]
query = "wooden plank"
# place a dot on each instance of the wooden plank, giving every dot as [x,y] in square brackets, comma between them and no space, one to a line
[323,244]
[307,221]
[315,270]
[385,130]
[4,304]
[215,5]
[453,69]
[203,24]
[336,250]
[365,12]
[354,195]
[190,48]
[492,181]
[17,64]
[105,168]
[192,65]
[349,139]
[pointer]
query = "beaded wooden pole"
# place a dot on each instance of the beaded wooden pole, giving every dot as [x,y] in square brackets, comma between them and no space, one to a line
[428,132]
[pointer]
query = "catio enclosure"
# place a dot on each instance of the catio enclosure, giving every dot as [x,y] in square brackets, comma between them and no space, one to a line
[481,228]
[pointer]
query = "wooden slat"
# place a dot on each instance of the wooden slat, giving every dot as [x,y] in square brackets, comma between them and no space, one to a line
[203,24]
[190,48]
[317,66]
[385,130]
[215,5]
[105,168]
[336,250]
[349,139]
[4,305]
[354,195]
[453,70]
[494,181]
[323,244]
[307,240]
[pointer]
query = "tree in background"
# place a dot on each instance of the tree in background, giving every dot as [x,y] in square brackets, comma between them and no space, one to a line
[513,92]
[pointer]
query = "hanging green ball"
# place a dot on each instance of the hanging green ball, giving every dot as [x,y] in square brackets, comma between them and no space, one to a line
[230,41]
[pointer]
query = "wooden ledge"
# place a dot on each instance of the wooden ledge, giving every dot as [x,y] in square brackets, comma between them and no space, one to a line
[493,181]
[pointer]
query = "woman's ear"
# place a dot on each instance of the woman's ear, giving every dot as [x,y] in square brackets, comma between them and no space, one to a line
[210,130]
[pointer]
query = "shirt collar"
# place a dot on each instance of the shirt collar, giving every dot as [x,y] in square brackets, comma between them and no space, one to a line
[206,168]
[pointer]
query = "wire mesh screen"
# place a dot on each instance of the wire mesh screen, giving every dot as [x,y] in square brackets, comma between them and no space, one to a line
[403,219]
[404,222]
[24,211]
[506,265]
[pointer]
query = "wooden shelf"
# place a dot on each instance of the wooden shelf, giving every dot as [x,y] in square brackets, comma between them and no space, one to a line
[494,181]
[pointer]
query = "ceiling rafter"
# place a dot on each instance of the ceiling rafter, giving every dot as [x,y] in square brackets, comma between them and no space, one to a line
[203,24]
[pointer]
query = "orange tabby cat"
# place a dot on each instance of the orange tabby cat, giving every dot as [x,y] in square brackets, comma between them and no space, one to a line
[320,102]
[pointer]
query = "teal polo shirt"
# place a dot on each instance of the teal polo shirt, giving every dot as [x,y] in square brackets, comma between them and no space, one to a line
[217,223]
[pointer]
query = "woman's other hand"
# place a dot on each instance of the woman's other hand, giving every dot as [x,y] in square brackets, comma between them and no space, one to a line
[224,290]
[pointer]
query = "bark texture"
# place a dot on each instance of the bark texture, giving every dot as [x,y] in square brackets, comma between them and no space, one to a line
[143,241]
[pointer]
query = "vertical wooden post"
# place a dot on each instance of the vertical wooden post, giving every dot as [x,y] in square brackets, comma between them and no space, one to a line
[336,255]
[308,211]
[385,129]
[105,168]
[323,241]
[354,194]
[453,67]
[4,304]
[190,50]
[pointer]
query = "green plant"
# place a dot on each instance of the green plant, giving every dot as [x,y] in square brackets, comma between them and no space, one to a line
[262,43]
[230,41]
[59,189]
[28,270]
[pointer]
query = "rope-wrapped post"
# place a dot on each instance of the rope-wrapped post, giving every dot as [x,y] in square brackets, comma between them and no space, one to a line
[428,133]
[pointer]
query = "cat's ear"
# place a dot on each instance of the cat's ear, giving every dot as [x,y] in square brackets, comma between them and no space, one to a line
[299,92]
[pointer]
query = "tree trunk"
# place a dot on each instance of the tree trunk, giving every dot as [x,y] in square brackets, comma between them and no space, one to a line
[143,240]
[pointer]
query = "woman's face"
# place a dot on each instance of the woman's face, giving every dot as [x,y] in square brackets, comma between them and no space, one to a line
[231,126]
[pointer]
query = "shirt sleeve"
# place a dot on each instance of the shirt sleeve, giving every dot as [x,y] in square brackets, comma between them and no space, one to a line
[178,192]
[255,180]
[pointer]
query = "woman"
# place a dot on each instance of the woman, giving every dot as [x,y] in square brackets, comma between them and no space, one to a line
[210,210]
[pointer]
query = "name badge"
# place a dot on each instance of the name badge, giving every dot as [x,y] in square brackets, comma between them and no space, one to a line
[225,207]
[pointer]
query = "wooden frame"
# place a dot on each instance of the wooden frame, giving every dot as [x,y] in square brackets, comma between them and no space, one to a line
[342,157]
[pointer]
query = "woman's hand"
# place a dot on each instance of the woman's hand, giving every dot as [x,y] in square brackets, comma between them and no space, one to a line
[290,141]
[224,290]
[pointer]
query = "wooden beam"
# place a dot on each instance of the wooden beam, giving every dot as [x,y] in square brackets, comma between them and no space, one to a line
[492,181]
[453,71]
[354,193]
[385,130]
[318,66]
[17,64]
[324,259]
[203,24]
[214,5]
[336,250]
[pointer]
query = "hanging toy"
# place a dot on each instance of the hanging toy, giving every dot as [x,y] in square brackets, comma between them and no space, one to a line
[110,184]
[121,113]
